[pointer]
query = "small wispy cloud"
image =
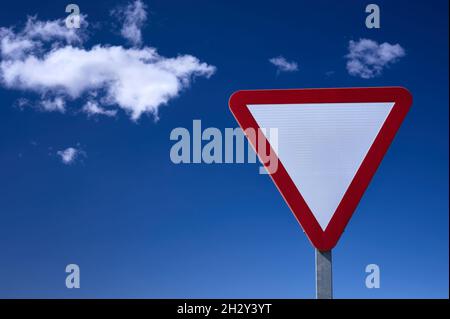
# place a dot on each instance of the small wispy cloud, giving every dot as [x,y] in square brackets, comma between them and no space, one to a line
[367,58]
[70,155]
[284,65]
[133,17]
[55,104]
[35,34]
[92,108]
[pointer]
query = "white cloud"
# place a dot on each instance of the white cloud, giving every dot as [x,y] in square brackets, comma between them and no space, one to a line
[70,155]
[54,30]
[55,104]
[36,34]
[137,80]
[367,58]
[133,17]
[12,45]
[283,65]
[92,108]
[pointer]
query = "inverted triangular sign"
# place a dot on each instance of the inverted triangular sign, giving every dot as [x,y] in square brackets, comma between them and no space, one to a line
[330,143]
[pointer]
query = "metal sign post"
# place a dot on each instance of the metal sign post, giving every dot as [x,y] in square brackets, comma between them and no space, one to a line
[324,276]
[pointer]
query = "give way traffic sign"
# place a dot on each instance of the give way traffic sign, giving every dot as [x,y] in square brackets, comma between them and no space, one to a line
[330,143]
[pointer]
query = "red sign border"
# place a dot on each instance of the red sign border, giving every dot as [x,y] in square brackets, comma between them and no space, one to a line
[326,240]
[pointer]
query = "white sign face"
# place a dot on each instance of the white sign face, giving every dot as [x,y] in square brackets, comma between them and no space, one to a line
[322,145]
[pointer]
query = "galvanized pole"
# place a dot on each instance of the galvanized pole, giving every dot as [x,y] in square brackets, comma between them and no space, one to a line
[324,278]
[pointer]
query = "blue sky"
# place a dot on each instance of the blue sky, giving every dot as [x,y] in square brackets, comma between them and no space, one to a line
[140,226]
